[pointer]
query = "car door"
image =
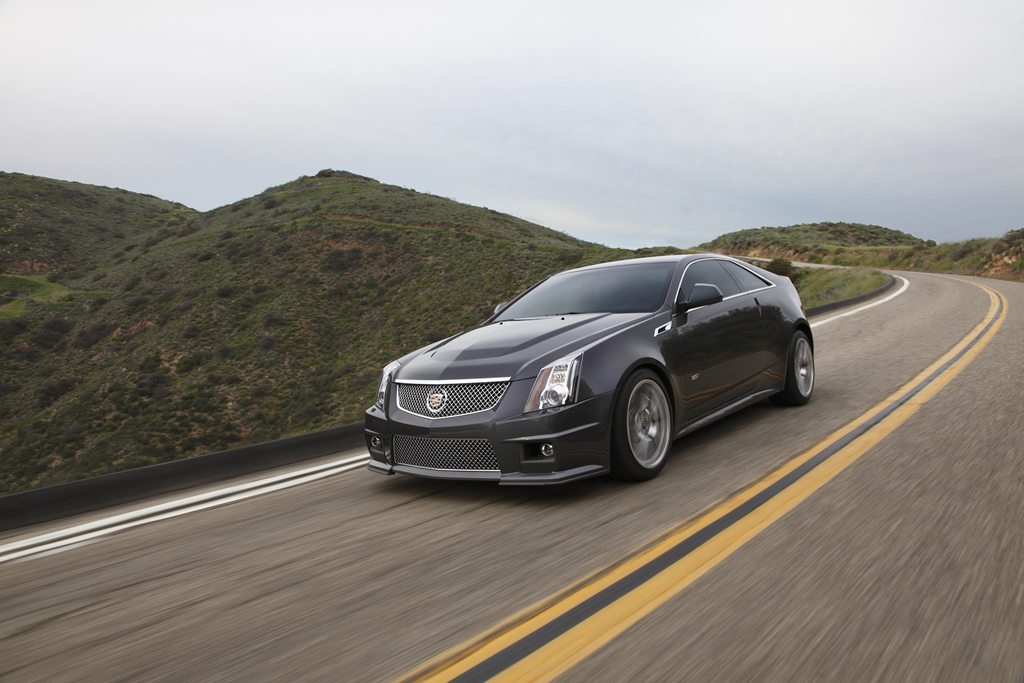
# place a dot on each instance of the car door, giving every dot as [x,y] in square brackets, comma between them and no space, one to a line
[773,324]
[715,352]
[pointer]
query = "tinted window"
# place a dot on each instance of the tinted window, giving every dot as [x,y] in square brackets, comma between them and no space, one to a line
[615,289]
[744,277]
[708,273]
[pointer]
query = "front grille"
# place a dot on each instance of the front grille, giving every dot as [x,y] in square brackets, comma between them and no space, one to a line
[445,454]
[449,400]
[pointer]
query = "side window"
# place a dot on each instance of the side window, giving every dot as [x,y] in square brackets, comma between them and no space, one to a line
[748,281]
[711,273]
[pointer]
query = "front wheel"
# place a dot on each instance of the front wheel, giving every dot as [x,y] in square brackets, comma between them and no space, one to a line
[799,373]
[642,428]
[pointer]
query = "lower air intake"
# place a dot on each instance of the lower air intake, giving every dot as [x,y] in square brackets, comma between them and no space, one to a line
[445,454]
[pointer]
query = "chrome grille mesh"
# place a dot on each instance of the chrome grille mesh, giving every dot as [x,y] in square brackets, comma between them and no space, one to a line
[458,399]
[445,454]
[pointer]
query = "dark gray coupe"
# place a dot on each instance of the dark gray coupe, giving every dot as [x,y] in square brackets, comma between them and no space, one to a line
[594,370]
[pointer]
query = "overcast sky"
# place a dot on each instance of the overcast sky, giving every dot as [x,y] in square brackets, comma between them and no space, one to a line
[630,124]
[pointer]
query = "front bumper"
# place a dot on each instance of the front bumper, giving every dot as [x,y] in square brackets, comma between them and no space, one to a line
[579,434]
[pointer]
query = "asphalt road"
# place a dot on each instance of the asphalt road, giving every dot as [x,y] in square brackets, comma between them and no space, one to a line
[908,565]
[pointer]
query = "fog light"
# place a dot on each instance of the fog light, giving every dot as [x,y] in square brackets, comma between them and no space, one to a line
[375,441]
[547,450]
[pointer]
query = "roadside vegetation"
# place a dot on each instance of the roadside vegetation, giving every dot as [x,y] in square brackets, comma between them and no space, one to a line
[18,293]
[818,286]
[851,244]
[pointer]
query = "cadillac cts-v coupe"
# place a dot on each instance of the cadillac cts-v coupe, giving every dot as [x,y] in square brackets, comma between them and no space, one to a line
[594,370]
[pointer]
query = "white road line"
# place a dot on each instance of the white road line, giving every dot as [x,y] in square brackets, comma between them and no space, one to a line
[183,506]
[54,551]
[906,284]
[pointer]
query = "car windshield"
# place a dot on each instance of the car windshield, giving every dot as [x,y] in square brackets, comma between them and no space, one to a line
[616,289]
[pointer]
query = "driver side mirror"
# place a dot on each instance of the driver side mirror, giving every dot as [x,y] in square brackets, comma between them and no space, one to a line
[500,307]
[702,295]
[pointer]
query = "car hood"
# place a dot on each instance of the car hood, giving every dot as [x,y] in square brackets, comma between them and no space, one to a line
[512,348]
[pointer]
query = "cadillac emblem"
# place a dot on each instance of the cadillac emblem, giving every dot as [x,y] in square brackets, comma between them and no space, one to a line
[437,400]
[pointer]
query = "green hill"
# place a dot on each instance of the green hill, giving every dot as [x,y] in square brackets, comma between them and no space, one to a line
[47,224]
[331,195]
[812,238]
[853,244]
[193,332]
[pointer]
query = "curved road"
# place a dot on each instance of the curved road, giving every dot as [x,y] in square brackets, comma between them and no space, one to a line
[907,565]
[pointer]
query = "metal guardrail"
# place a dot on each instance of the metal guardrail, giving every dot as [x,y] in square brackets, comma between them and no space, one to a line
[88,495]
[852,301]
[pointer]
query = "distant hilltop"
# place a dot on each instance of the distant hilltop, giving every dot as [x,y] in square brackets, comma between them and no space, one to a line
[47,224]
[810,238]
[853,244]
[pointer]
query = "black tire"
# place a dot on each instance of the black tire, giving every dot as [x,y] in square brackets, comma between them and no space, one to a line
[641,428]
[799,373]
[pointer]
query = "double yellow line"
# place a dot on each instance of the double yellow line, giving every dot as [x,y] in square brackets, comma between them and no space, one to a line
[547,639]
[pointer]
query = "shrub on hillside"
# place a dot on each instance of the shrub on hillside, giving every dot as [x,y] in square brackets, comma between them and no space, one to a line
[248,302]
[51,332]
[780,266]
[191,362]
[962,250]
[159,237]
[94,334]
[338,260]
[272,320]
[150,363]
[52,391]
[11,327]
[168,294]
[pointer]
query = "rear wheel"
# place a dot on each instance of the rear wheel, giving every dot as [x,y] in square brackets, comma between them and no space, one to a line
[642,428]
[799,373]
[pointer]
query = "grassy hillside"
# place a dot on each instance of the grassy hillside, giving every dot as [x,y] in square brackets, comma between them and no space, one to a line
[818,286]
[809,238]
[268,317]
[996,257]
[332,195]
[850,244]
[18,293]
[47,224]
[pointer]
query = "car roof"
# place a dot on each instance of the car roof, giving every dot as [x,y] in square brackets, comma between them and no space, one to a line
[671,258]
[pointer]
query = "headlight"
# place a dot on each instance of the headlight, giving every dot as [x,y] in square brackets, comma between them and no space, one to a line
[382,388]
[555,384]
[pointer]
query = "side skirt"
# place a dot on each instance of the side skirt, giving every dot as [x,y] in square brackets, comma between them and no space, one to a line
[726,410]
